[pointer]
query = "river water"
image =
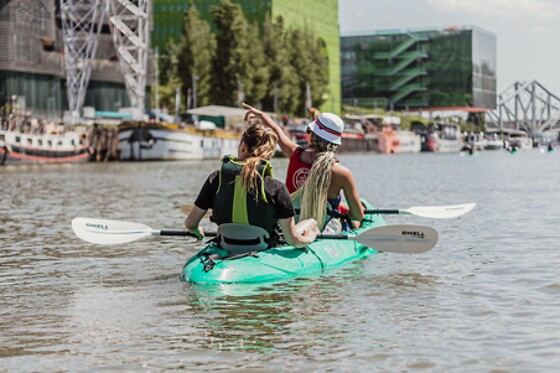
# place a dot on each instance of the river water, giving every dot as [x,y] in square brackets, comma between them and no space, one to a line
[485,299]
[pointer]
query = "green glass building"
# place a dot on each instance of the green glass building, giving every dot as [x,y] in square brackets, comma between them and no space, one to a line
[452,68]
[321,16]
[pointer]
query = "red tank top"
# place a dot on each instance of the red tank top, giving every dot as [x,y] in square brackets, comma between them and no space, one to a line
[297,171]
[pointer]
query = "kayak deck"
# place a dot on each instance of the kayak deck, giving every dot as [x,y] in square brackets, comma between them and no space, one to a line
[281,262]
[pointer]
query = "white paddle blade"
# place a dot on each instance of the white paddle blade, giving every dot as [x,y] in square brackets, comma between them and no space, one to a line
[401,238]
[109,232]
[441,212]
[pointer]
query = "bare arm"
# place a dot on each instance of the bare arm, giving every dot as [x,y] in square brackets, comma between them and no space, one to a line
[192,220]
[286,144]
[351,193]
[301,234]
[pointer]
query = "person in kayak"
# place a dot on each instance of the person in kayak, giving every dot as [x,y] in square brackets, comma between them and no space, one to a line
[314,175]
[243,191]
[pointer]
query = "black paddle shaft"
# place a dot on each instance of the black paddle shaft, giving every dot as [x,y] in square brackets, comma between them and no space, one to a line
[182,233]
[337,214]
[379,211]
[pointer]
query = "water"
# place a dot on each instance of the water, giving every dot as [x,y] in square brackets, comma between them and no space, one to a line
[485,299]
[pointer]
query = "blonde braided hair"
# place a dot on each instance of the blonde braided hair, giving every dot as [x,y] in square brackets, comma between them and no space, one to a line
[261,142]
[314,190]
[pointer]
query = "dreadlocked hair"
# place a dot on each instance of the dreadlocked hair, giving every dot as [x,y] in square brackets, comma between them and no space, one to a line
[261,142]
[314,190]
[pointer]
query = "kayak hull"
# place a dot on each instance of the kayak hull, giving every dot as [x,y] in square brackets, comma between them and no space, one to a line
[279,263]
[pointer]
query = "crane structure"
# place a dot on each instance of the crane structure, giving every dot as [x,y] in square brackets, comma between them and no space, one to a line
[526,106]
[129,21]
[81,23]
[130,26]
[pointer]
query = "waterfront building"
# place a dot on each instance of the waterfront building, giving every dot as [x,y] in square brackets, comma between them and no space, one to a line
[32,75]
[440,69]
[321,16]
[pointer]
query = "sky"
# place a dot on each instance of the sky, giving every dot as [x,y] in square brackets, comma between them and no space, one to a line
[527,31]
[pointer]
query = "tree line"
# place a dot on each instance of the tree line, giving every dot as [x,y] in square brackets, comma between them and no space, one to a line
[273,67]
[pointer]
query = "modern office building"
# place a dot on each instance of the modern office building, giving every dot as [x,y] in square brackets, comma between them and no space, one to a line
[32,74]
[451,68]
[321,16]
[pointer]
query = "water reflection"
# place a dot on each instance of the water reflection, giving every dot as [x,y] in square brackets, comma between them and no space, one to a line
[302,316]
[249,317]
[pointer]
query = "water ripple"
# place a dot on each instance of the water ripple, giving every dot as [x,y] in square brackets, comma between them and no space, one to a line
[484,299]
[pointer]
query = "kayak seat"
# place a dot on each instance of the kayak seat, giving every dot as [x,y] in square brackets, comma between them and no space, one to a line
[238,239]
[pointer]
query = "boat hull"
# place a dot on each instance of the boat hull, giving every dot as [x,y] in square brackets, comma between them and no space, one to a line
[409,142]
[168,142]
[494,145]
[279,263]
[47,148]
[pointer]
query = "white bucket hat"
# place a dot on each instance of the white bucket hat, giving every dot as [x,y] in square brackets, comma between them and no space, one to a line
[329,127]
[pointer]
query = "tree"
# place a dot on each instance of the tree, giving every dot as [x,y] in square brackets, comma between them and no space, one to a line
[230,64]
[300,62]
[319,78]
[197,50]
[167,76]
[257,78]
[308,58]
[282,81]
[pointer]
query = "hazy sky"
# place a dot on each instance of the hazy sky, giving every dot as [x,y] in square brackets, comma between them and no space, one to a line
[527,31]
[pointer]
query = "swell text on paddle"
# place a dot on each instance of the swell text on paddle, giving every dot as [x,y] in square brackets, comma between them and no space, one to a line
[97,226]
[457,208]
[413,234]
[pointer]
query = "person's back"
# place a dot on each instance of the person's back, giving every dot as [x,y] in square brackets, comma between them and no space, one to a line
[244,192]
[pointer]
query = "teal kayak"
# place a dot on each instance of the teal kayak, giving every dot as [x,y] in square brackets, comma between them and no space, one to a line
[279,263]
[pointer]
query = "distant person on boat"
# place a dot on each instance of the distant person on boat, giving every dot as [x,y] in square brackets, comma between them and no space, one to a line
[314,175]
[243,191]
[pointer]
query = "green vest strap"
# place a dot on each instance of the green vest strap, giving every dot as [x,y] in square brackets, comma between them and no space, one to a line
[239,213]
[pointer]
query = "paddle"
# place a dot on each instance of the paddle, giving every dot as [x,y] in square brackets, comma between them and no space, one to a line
[112,232]
[397,238]
[407,239]
[436,212]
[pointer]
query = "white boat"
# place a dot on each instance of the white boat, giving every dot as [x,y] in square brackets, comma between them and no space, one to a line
[520,140]
[440,137]
[475,141]
[507,138]
[19,147]
[150,142]
[409,142]
[493,140]
[448,138]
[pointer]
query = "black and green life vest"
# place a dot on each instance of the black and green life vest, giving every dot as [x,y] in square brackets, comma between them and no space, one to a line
[234,204]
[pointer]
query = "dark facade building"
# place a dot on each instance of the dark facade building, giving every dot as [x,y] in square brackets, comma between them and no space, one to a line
[32,75]
[452,68]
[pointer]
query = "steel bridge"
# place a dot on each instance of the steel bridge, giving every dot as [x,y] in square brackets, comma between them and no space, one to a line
[526,106]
